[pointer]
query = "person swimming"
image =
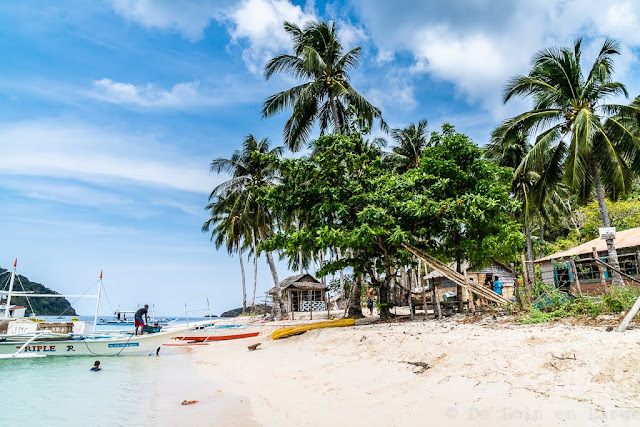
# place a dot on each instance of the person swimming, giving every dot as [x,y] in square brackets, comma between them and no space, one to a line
[96,366]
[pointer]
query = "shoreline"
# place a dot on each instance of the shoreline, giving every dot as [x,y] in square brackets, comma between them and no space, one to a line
[491,373]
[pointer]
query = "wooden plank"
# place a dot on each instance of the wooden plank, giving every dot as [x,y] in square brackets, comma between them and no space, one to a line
[572,262]
[454,276]
[603,281]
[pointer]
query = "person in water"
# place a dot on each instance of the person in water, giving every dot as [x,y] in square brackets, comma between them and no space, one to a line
[96,366]
[139,322]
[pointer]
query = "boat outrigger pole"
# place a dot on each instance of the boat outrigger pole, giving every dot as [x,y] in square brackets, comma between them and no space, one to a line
[95,317]
[13,278]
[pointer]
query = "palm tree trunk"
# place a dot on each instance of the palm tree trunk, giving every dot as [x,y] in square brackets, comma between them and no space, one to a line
[244,286]
[530,256]
[342,295]
[336,117]
[278,305]
[255,270]
[541,238]
[604,215]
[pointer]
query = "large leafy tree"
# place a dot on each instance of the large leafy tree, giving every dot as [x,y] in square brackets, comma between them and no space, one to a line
[347,199]
[319,60]
[251,170]
[571,114]
[410,141]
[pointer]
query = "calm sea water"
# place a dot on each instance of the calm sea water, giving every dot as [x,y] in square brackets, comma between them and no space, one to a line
[64,391]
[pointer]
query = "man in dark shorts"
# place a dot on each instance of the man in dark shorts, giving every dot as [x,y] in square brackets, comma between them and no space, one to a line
[370,296]
[138,318]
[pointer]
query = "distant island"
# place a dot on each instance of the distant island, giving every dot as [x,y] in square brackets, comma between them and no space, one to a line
[259,310]
[41,306]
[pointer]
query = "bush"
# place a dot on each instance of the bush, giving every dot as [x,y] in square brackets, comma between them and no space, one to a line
[551,304]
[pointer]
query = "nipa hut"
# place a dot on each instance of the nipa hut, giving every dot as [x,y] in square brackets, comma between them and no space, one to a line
[303,293]
[555,269]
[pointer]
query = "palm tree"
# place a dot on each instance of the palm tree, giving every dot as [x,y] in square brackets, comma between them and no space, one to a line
[570,115]
[325,93]
[228,228]
[250,173]
[410,141]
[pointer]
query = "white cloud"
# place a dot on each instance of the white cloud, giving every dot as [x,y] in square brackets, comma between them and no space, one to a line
[149,95]
[258,26]
[100,155]
[189,18]
[478,45]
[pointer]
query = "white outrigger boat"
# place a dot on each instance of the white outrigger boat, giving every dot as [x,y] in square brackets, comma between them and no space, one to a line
[27,337]
[208,333]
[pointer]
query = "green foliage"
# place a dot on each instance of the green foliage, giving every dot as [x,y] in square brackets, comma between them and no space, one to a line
[41,306]
[550,304]
[624,214]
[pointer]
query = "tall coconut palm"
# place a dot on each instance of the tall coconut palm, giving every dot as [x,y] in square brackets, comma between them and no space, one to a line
[570,113]
[228,228]
[410,141]
[250,172]
[319,60]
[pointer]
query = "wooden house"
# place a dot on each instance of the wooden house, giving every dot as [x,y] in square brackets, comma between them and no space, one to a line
[555,269]
[478,275]
[303,293]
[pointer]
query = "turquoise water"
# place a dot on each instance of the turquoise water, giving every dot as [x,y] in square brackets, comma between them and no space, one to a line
[130,390]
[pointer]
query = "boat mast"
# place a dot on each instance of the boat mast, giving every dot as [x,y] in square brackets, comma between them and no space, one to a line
[95,317]
[13,278]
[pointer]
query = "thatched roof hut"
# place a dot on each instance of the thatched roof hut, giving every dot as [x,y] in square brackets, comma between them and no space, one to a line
[303,292]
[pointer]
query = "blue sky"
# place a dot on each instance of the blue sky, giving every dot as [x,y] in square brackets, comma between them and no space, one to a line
[110,112]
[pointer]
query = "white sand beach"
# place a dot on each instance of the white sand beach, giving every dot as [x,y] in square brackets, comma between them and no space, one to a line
[485,373]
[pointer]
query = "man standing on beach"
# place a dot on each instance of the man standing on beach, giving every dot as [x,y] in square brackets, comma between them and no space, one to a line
[138,318]
[497,286]
[370,296]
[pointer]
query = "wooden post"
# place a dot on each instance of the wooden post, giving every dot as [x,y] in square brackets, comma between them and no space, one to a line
[403,273]
[575,275]
[424,292]
[327,300]
[629,317]
[293,308]
[468,294]
[310,305]
[603,281]
[436,302]
[525,276]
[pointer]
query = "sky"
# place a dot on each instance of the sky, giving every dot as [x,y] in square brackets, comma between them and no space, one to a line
[111,111]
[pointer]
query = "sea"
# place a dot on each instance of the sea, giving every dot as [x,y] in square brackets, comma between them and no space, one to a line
[128,391]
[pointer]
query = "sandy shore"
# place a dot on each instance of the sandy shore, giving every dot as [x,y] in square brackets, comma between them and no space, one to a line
[481,374]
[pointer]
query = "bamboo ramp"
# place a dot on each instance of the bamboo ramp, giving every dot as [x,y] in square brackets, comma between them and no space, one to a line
[456,277]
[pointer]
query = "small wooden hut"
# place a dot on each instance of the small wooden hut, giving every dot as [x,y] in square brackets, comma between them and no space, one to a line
[303,293]
[478,275]
[555,269]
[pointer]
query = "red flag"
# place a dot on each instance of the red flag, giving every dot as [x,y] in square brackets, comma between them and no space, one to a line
[100,274]
[15,263]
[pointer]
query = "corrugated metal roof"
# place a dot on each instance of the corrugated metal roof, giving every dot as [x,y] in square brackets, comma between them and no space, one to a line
[624,239]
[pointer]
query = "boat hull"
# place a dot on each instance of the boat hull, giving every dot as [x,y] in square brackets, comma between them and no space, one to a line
[103,346]
[217,333]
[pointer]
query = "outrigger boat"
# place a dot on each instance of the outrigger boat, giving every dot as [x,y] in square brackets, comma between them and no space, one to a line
[207,333]
[120,318]
[22,337]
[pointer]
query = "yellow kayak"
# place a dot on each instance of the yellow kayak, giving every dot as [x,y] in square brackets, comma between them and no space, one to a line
[295,330]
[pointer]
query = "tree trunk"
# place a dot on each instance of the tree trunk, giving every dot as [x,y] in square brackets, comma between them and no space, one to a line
[541,239]
[342,295]
[255,271]
[336,117]
[604,215]
[355,306]
[530,255]
[278,305]
[244,286]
